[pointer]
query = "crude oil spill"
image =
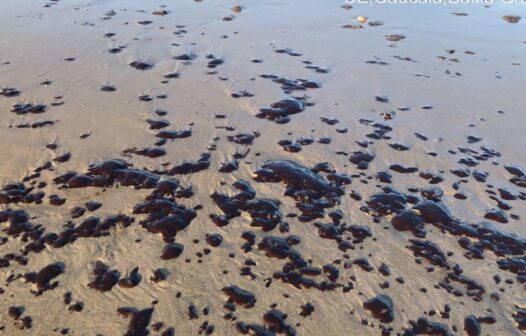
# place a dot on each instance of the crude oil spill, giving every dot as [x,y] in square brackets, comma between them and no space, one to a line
[42,279]
[104,278]
[171,251]
[240,296]
[140,65]
[144,190]
[28,108]
[381,307]
[279,112]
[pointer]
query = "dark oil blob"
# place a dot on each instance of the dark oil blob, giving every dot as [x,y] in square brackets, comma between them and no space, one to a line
[189,167]
[140,65]
[48,273]
[430,251]
[214,240]
[472,326]
[21,109]
[279,111]
[140,319]
[381,307]
[172,251]
[104,279]
[311,191]
[132,280]
[240,296]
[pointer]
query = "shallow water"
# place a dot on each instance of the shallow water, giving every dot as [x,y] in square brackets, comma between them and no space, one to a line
[455,80]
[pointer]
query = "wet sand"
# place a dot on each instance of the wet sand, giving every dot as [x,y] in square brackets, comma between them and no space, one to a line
[261,167]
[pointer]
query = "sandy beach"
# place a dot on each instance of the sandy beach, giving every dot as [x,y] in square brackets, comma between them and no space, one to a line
[262,168]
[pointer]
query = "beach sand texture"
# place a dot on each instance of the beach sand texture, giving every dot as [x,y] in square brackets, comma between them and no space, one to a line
[262,167]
